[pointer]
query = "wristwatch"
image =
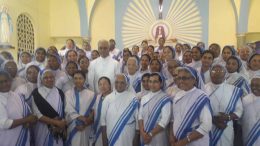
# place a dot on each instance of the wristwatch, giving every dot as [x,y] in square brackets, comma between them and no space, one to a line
[150,134]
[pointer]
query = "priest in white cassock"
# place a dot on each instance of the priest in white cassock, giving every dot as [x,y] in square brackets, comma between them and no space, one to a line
[105,65]
[251,114]
[226,105]
[154,114]
[191,118]
[119,115]
[79,110]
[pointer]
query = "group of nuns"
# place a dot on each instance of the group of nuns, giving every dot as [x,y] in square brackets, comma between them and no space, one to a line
[197,95]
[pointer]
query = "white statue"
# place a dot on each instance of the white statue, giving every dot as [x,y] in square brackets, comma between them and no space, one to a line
[6,27]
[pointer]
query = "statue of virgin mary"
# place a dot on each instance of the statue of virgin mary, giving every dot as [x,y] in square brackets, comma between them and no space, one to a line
[6,27]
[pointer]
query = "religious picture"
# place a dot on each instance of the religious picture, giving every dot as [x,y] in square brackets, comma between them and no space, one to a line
[6,28]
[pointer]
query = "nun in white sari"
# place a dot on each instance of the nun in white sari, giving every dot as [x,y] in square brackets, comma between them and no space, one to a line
[226,105]
[244,53]
[119,114]
[171,87]
[54,63]
[227,51]
[48,106]
[253,65]
[133,74]
[105,88]
[144,64]
[15,115]
[196,57]
[145,87]
[24,58]
[154,114]
[66,82]
[71,55]
[251,114]
[25,90]
[191,118]
[40,57]
[207,59]
[235,77]
[79,110]
[199,81]
[11,67]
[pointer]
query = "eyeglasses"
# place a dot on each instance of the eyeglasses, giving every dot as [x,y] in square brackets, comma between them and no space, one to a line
[217,71]
[183,78]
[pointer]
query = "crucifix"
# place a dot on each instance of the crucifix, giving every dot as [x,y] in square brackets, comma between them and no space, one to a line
[160,8]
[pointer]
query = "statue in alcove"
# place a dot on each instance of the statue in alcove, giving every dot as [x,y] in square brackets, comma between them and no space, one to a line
[6,28]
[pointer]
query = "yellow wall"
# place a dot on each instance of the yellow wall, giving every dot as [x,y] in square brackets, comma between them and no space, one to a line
[254,17]
[38,11]
[64,22]
[222,23]
[64,18]
[102,22]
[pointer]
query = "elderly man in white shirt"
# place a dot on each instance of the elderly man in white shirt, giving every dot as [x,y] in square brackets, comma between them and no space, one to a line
[105,65]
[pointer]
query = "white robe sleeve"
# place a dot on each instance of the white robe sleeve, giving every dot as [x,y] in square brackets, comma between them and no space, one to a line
[104,111]
[59,83]
[5,123]
[239,108]
[165,115]
[117,68]
[140,113]
[36,110]
[205,121]
[136,119]
[91,76]
[70,111]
